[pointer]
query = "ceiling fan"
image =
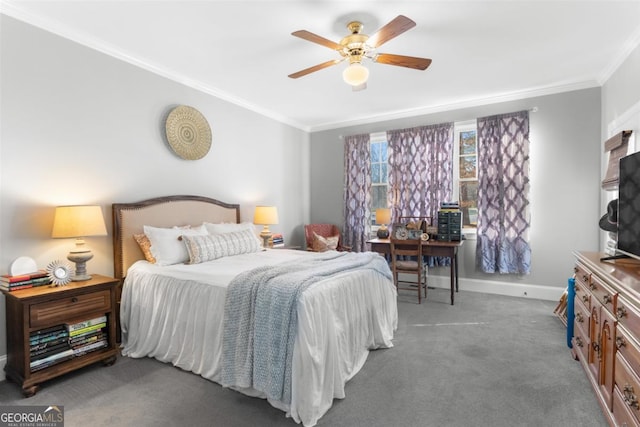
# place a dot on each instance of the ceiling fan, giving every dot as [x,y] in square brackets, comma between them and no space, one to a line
[357,46]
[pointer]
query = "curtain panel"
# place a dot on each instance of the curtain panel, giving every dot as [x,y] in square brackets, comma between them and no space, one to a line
[503,194]
[420,173]
[357,192]
[420,170]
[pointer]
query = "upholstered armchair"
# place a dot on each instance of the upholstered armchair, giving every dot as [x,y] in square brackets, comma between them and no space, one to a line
[323,237]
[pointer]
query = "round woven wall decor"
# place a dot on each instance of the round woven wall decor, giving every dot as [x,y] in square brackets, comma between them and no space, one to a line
[188,133]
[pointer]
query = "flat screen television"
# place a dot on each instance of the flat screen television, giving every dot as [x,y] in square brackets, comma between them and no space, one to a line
[629,206]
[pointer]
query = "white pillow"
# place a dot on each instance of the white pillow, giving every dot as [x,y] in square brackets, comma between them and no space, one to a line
[230,227]
[214,246]
[166,247]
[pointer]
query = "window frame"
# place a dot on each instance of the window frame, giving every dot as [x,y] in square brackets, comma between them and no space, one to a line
[460,127]
[376,138]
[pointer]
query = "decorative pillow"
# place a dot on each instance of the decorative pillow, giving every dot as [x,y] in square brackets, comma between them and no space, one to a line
[229,227]
[145,247]
[166,247]
[214,246]
[323,244]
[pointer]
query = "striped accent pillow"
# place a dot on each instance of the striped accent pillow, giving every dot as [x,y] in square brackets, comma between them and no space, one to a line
[213,246]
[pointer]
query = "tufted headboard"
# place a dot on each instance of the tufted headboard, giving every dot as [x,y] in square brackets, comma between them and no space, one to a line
[129,219]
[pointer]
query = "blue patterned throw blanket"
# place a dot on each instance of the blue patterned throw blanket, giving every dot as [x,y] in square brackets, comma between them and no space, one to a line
[260,318]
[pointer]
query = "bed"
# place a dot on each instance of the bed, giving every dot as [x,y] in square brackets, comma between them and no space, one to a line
[180,313]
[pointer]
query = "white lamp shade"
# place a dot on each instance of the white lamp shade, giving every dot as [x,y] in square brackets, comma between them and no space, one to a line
[383,216]
[355,74]
[265,215]
[78,221]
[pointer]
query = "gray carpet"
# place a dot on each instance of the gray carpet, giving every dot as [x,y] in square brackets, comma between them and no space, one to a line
[487,361]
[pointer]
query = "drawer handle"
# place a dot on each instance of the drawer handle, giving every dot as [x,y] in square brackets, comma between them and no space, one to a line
[607,299]
[575,269]
[74,299]
[596,347]
[591,285]
[630,399]
[620,342]
[579,318]
[585,298]
[579,342]
[621,312]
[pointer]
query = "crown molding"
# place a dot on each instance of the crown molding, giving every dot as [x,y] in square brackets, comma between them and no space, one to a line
[475,102]
[13,10]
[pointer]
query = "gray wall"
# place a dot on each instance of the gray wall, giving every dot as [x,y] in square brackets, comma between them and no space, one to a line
[565,174]
[80,127]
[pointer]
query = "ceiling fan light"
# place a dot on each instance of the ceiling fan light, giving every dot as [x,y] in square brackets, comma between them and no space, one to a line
[355,74]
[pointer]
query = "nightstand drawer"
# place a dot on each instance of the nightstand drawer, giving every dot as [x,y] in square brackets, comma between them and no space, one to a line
[60,311]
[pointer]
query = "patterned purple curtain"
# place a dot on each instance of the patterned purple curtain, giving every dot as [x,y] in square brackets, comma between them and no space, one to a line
[503,194]
[357,192]
[420,170]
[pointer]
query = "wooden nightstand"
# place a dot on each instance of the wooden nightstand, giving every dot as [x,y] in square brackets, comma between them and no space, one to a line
[36,309]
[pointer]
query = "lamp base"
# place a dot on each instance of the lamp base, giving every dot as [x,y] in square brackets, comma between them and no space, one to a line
[265,239]
[80,259]
[383,232]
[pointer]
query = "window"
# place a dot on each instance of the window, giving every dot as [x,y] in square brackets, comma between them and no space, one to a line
[465,171]
[379,173]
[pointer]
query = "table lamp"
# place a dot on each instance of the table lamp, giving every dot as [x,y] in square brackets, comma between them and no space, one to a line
[266,216]
[383,217]
[79,222]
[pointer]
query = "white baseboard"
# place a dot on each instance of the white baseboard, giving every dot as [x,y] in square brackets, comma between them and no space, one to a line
[524,290]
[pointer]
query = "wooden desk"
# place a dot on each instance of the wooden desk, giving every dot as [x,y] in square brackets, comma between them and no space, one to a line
[431,248]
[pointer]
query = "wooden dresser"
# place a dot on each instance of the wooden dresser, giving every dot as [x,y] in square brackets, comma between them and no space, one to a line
[607,333]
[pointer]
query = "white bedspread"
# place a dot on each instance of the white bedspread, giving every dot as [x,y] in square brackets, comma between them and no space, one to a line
[175,314]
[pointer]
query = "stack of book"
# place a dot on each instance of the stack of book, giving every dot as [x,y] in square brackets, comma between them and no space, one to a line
[13,283]
[88,335]
[278,240]
[48,347]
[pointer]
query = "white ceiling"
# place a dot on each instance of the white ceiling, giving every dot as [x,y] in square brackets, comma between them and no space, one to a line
[242,51]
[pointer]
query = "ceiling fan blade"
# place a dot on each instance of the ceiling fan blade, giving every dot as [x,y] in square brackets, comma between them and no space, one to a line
[306,35]
[315,68]
[403,61]
[393,29]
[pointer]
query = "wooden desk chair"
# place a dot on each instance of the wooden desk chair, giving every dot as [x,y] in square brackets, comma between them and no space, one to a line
[406,258]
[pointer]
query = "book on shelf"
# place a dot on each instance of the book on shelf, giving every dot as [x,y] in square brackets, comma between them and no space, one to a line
[49,351]
[52,362]
[41,345]
[41,339]
[47,331]
[49,360]
[7,278]
[88,329]
[14,286]
[72,327]
[86,339]
[79,351]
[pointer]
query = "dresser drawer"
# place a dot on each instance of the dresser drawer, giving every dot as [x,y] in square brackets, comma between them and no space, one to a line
[628,349]
[581,319]
[629,386]
[604,294]
[581,343]
[581,286]
[61,310]
[627,315]
[621,411]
